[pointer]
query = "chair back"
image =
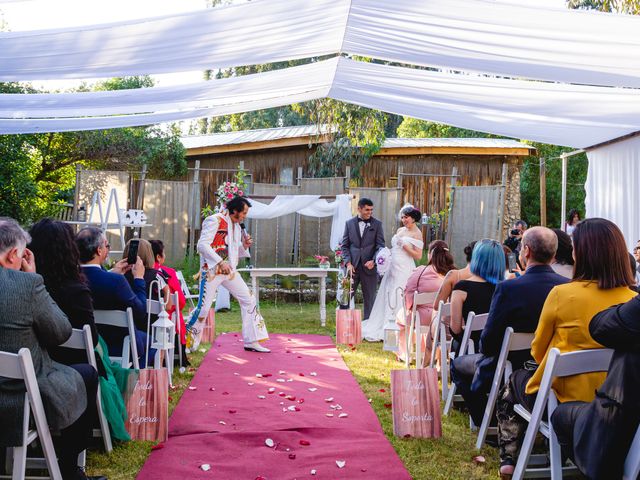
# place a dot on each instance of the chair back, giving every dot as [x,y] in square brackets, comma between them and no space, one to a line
[511,342]
[154,307]
[558,365]
[439,328]
[474,323]
[122,319]
[20,367]
[632,462]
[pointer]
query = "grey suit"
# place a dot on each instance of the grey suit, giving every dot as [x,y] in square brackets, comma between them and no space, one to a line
[359,250]
[30,318]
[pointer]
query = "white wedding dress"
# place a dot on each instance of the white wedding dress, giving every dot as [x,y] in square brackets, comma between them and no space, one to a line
[389,298]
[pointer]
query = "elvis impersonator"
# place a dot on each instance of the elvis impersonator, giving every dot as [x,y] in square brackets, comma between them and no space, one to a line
[222,241]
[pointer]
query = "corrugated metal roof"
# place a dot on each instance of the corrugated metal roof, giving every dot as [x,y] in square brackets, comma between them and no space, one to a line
[267,134]
[251,136]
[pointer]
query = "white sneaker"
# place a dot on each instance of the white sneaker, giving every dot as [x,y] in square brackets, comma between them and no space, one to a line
[256,347]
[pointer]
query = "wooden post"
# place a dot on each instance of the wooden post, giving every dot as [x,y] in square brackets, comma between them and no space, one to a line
[193,210]
[76,195]
[400,170]
[454,179]
[563,211]
[543,192]
[503,201]
[140,199]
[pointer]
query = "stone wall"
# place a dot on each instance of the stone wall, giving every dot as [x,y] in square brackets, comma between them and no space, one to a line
[512,205]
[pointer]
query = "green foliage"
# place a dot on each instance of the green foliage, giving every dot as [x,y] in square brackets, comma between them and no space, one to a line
[414,128]
[620,6]
[530,184]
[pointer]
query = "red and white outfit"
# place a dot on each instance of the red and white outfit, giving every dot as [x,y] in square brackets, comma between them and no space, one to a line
[221,240]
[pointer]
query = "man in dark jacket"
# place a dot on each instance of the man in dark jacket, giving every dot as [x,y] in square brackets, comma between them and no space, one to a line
[517,304]
[363,237]
[30,318]
[597,435]
[111,291]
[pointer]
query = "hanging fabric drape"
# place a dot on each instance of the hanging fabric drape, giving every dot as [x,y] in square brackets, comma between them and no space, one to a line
[262,31]
[612,186]
[472,35]
[308,205]
[561,114]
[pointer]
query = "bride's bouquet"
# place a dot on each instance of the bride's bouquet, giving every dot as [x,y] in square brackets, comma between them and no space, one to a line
[383,260]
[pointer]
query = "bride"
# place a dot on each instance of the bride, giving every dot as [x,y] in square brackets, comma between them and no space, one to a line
[406,247]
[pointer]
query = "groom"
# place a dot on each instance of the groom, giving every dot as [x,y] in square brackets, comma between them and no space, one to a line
[362,239]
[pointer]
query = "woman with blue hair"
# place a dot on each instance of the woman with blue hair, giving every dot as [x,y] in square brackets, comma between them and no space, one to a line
[474,294]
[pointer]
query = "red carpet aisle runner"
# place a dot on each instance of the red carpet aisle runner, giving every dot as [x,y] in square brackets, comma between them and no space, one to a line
[301,398]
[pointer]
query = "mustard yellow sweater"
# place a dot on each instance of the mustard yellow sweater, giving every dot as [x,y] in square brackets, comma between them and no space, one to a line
[564,324]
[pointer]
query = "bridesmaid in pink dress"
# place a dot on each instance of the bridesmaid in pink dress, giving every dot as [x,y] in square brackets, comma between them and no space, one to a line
[425,278]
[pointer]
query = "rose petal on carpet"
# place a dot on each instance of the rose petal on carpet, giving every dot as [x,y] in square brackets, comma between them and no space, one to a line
[301,392]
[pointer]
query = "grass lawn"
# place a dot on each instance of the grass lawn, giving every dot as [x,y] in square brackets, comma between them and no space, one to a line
[446,458]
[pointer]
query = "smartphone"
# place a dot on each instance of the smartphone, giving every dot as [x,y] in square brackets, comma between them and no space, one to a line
[132,257]
[512,262]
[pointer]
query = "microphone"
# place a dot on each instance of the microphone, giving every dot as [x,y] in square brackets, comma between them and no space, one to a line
[243,229]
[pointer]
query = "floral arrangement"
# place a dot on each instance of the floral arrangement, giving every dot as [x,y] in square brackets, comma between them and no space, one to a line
[346,289]
[321,259]
[383,260]
[228,191]
[338,255]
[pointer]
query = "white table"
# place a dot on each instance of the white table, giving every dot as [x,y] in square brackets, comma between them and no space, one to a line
[320,273]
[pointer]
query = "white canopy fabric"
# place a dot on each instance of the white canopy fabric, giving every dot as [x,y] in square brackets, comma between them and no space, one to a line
[308,205]
[612,186]
[562,114]
[474,35]
[262,31]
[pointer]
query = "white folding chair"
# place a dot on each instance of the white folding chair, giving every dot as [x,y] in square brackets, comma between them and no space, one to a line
[185,288]
[440,340]
[419,299]
[122,319]
[83,340]
[474,323]
[511,342]
[176,321]
[632,462]
[558,365]
[20,367]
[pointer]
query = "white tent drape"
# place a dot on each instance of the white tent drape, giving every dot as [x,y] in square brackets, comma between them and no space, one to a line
[612,186]
[562,114]
[262,31]
[473,35]
[308,205]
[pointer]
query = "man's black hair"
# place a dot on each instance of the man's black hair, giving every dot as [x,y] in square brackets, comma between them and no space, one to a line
[365,202]
[237,204]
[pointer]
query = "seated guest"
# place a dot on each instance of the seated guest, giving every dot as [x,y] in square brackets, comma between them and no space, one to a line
[172,282]
[636,255]
[111,291]
[151,274]
[597,435]
[58,261]
[31,319]
[453,277]
[474,294]
[424,279]
[602,278]
[563,262]
[516,304]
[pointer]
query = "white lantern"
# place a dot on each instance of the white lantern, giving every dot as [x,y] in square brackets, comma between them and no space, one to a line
[162,332]
[391,337]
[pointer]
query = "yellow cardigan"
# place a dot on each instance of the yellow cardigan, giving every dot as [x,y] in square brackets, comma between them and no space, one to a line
[564,324]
